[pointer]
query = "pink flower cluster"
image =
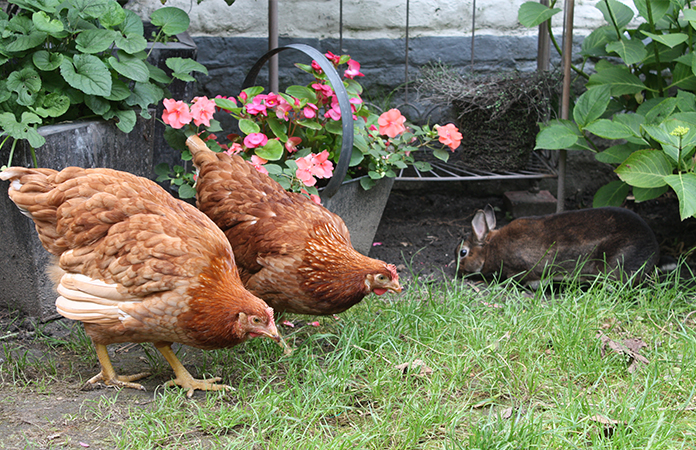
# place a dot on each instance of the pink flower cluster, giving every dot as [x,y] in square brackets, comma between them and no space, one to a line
[314,165]
[177,113]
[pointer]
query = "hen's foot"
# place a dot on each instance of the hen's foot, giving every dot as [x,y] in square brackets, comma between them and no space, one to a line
[190,383]
[125,381]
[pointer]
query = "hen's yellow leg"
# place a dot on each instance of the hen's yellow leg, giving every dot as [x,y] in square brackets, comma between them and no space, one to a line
[108,374]
[184,378]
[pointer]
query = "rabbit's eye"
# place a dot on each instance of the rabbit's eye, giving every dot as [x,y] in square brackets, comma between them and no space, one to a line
[463,252]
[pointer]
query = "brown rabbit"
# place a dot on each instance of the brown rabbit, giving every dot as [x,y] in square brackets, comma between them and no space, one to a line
[604,240]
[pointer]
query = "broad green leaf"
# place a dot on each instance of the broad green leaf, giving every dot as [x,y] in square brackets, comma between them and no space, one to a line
[621,13]
[645,194]
[253,91]
[684,76]
[690,15]
[657,10]
[158,75]
[279,128]
[171,20]
[5,93]
[661,111]
[309,124]
[645,168]
[90,9]
[144,95]
[632,51]
[132,24]
[619,79]
[248,126]
[25,129]
[43,22]
[686,101]
[119,91]
[356,157]
[334,127]
[302,92]
[126,119]
[360,143]
[98,105]
[115,15]
[670,40]
[25,42]
[684,184]
[367,183]
[531,14]
[556,136]
[46,61]
[615,154]
[175,138]
[272,151]
[608,129]
[48,6]
[226,104]
[53,105]
[273,169]
[595,44]
[591,105]
[611,194]
[353,88]
[181,67]
[130,43]
[95,41]
[130,67]
[88,74]
[658,133]
[26,83]
[186,191]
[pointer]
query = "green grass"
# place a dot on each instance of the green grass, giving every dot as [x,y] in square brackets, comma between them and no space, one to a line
[510,369]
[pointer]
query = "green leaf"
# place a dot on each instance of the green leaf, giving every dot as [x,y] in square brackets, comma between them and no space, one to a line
[46,61]
[186,191]
[690,15]
[119,91]
[88,74]
[611,194]
[279,128]
[556,136]
[645,194]
[356,157]
[43,22]
[158,75]
[595,44]
[309,124]
[26,83]
[144,95]
[684,184]
[175,138]
[95,41]
[615,154]
[98,105]
[334,127]
[619,79]
[132,24]
[302,92]
[181,67]
[622,13]
[171,20]
[686,101]
[114,16]
[90,9]
[248,126]
[25,42]
[225,104]
[54,104]
[608,129]
[645,168]
[684,76]
[130,67]
[661,111]
[368,183]
[126,119]
[272,151]
[670,40]
[23,129]
[130,43]
[531,14]
[591,105]
[632,51]
[658,8]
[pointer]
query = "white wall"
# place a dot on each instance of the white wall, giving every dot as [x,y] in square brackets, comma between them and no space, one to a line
[366,19]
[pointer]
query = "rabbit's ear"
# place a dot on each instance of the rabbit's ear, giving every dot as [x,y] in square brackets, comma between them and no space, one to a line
[479,227]
[490,217]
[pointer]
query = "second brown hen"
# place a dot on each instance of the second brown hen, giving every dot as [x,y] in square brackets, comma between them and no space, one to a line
[291,252]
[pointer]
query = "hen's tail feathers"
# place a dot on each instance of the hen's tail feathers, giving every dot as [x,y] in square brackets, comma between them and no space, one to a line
[29,189]
[200,152]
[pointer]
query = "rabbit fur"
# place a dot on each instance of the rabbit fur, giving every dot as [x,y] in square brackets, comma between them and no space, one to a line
[609,239]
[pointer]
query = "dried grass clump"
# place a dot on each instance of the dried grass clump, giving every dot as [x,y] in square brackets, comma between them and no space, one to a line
[496,114]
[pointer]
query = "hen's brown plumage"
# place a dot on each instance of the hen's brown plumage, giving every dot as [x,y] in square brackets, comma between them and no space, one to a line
[291,252]
[138,265]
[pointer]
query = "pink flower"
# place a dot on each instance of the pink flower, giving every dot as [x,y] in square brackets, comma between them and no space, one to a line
[202,111]
[335,59]
[324,92]
[242,96]
[449,135]
[176,113]
[304,171]
[391,123]
[310,111]
[256,106]
[315,198]
[322,167]
[283,109]
[317,67]
[255,140]
[271,100]
[292,143]
[258,163]
[335,111]
[353,70]
[235,149]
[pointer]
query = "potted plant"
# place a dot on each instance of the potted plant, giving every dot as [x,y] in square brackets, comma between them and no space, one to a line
[62,66]
[297,136]
[641,97]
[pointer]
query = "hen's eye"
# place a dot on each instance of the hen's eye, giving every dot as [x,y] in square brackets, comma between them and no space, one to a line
[256,320]
[463,252]
[381,277]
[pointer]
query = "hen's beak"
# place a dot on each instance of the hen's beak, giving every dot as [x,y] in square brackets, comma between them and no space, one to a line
[271,332]
[394,286]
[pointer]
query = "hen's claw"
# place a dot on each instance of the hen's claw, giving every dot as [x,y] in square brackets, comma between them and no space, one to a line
[125,381]
[190,383]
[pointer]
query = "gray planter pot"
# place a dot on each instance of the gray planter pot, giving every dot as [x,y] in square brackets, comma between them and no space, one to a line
[361,210]
[24,283]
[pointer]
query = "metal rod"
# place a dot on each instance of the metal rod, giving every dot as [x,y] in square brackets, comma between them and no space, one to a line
[273,43]
[473,33]
[543,45]
[340,26]
[406,55]
[565,99]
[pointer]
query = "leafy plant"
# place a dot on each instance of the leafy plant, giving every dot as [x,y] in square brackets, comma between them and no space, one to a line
[77,59]
[641,97]
[296,136]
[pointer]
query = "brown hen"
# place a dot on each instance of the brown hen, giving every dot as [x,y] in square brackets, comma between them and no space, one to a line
[291,252]
[138,265]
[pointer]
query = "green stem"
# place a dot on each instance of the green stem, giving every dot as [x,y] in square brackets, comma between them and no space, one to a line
[560,52]
[655,49]
[12,149]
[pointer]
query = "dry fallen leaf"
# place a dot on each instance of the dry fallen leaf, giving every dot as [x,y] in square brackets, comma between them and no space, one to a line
[608,425]
[506,413]
[406,368]
[629,347]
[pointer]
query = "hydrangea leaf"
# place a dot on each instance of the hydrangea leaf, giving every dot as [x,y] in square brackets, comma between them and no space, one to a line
[645,168]
[611,194]
[684,184]
[531,14]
